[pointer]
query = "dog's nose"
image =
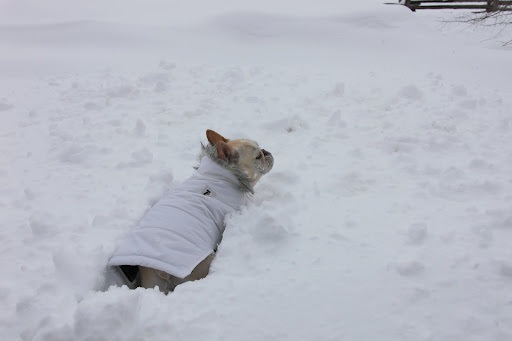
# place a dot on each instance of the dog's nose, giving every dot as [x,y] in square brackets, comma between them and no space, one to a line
[265,152]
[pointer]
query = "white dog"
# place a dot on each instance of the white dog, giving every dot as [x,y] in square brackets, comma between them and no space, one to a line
[176,240]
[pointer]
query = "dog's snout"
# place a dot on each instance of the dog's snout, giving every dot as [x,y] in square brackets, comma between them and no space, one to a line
[269,160]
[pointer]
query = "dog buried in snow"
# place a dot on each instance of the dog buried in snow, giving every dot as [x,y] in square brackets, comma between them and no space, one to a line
[176,240]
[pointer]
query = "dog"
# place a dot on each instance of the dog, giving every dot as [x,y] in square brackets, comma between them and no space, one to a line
[176,240]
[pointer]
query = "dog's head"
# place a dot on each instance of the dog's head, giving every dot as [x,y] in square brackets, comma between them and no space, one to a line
[246,154]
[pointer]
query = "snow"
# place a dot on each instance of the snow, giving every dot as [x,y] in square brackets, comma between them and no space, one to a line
[387,215]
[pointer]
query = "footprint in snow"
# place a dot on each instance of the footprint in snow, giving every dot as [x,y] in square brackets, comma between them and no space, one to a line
[90,106]
[409,268]
[506,269]
[166,65]
[140,128]
[4,106]
[140,158]
[43,224]
[337,91]
[416,234]
[411,92]
[459,90]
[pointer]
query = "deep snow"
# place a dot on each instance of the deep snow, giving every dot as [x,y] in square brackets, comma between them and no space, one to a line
[387,215]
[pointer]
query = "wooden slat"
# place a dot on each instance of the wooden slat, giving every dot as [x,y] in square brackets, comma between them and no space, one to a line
[449,7]
[446,1]
[488,5]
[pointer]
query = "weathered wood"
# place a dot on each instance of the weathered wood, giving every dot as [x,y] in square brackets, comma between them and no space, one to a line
[450,7]
[488,5]
[447,1]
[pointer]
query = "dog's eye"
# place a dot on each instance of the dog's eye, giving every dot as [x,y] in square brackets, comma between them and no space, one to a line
[258,157]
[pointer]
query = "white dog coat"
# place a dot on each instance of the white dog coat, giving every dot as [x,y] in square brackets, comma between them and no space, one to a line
[186,225]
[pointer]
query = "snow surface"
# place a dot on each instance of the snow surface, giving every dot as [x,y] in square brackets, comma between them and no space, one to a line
[387,216]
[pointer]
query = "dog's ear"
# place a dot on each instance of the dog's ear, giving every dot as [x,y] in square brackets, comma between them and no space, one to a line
[214,138]
[225,152]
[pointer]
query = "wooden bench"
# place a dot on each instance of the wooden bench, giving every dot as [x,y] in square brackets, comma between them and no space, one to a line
[487,5]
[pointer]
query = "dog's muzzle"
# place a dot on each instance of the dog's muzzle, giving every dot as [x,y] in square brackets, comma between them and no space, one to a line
[267,165]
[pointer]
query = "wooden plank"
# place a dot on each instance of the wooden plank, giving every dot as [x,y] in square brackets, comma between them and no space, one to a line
[445,1]
[489,2]
[449,7]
